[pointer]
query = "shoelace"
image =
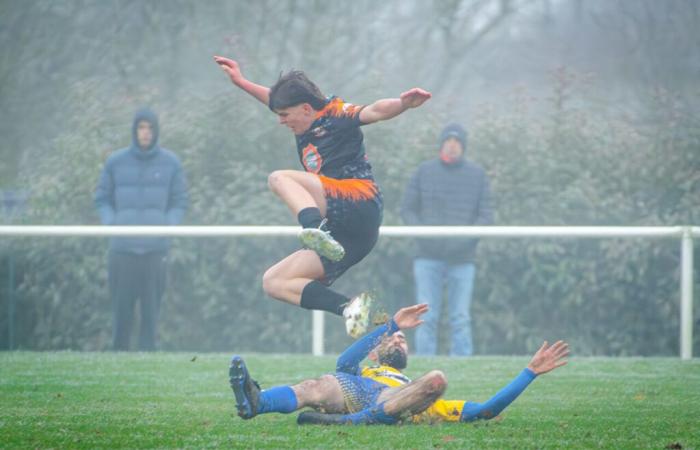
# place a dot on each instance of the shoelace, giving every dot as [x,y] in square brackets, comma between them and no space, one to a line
[323,225]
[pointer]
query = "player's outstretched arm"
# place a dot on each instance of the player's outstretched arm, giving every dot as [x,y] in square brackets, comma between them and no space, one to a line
[549,357]
[233,70]
[388,108]
[546,359]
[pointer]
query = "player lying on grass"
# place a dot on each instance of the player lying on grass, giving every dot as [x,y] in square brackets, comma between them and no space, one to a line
[381,393]
[335,199]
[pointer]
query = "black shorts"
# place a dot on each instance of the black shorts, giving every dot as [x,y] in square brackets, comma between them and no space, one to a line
[354,223]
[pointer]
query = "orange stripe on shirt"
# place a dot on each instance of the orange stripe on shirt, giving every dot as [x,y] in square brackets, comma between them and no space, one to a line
[338,108]
[355,189]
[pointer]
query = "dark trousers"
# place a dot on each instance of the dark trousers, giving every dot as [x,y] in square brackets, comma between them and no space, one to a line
[136,277]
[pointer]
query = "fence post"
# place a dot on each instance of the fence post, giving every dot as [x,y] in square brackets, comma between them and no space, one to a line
[687,294]
[317,323]
[11,302]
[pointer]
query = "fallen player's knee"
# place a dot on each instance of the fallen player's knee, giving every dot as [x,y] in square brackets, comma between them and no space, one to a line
[313,389]
[327,378]
[437,382]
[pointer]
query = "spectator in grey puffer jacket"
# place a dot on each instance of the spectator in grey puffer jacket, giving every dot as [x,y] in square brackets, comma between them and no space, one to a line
[140,185]
[447,190]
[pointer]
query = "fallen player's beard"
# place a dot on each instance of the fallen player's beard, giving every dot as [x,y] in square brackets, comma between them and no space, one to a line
[394,358]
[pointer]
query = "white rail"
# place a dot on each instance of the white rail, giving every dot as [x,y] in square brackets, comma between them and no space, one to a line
[254,230]
[683,233]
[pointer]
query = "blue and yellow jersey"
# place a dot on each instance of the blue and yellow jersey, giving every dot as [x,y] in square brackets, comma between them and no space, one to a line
[386,375]
[441,410]
[362,386]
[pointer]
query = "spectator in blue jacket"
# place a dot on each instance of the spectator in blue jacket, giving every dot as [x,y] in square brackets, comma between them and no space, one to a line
[140,185]
[448,190]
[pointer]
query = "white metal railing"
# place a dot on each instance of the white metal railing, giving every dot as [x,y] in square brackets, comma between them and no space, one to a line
[683,233]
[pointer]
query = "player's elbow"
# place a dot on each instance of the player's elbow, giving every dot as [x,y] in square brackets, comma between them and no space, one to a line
[344,365]
[370,115]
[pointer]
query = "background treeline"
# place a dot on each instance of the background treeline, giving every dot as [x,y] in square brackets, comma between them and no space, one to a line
[582,113]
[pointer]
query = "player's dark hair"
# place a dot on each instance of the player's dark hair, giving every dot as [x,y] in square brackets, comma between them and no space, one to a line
[294,88]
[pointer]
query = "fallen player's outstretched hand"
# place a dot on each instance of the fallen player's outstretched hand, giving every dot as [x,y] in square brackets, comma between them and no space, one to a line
[549,358]
[409,317]
[230,67]
[415,97]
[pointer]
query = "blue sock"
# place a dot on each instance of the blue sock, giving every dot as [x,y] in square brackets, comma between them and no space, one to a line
[281,399]
[375,414]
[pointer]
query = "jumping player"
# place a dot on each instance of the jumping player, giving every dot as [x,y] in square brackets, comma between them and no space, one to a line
[335,199]
[382,394]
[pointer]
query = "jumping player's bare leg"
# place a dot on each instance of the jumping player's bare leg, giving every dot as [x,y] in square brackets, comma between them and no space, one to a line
[296,278]
[414,397]
[287,279]
[304,195]
[298,190]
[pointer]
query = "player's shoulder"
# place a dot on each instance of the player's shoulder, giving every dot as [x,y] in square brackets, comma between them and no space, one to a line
[338,107]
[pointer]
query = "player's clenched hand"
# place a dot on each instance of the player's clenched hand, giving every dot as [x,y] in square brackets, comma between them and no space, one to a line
[549,357]
[415,97]
[409,317]
[230,67]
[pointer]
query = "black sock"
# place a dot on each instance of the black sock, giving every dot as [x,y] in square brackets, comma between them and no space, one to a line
[317,296]
[310,217]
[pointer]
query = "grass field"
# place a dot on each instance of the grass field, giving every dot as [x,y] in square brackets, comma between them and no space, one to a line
[106,400]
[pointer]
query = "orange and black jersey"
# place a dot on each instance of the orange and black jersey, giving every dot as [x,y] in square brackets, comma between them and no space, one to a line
[333,146]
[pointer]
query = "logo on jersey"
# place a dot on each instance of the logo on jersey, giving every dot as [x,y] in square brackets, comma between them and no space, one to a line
[311,159]
[393,375]
[319,131]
